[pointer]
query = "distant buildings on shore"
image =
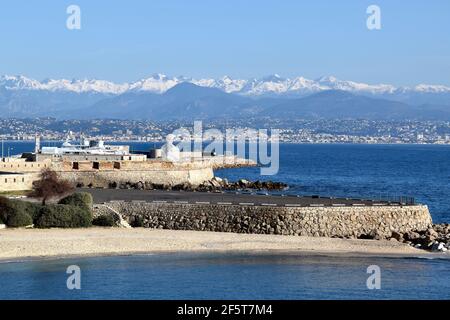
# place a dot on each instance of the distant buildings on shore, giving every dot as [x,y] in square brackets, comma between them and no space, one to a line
[295,131]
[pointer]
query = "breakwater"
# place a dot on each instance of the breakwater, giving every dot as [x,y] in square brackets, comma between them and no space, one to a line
[321,221]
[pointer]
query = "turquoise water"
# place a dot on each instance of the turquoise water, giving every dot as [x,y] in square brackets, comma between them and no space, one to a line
[224,276]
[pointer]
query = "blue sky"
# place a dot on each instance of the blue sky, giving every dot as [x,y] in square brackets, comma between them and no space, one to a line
[129,40]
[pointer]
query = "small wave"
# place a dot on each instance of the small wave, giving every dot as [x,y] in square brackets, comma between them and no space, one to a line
[438,256]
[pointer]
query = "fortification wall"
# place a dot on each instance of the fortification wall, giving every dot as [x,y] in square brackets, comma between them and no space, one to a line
[100,173]
[102,178]
[16,181]
[23,166]
[302,221]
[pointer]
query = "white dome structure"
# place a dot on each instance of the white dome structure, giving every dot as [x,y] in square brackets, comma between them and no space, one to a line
[169,151]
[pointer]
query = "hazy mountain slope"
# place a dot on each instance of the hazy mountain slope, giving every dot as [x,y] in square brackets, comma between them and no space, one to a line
[133,105]
[30,103]
[187,101]
[343,105]
[184,101]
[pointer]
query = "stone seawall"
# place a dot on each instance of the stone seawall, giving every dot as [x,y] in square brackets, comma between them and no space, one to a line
[302,221]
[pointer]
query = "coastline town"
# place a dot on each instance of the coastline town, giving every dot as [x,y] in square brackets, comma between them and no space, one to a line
[299,131]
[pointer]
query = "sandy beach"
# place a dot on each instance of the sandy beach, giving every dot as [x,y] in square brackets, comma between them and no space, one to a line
[37,243]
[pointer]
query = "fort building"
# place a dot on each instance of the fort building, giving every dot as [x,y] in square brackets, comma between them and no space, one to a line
[96,164]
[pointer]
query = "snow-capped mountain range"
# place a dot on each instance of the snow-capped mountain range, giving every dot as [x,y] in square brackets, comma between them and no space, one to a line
[272,85]
[160,97]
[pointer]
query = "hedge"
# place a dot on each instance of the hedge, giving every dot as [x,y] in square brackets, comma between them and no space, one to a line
[33,209]
[104,221]
[19,219]
[18,213]
[64,216]
[77,213]
[79,199]
[5,208]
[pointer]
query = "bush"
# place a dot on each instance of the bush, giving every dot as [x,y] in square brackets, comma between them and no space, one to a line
[64,216]
[19,219]
[18,213]
[79,199]
[104,221]
[31,208]
[4,204]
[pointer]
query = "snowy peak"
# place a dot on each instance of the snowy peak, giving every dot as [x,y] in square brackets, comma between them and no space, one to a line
[226,84]
[271,85]
[78,86]
[18,82]
[328,79]
[428,88]
[333,83]
[157,83]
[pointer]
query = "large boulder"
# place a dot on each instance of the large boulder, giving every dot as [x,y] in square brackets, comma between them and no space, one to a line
[411,236]
[438,247]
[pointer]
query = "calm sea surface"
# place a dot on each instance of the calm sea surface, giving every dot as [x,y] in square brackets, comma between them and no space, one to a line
[225,276]
[372,171]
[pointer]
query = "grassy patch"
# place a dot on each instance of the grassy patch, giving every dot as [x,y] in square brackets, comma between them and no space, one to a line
[13,193]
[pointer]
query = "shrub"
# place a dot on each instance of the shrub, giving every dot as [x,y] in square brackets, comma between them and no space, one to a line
[64,216]
[31,208]
[104,221]
[19,219]
[18,213]
[2,217]
[79,199]
[4,207]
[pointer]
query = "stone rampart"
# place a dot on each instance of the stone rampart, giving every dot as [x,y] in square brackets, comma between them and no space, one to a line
[349,221]
[103,178]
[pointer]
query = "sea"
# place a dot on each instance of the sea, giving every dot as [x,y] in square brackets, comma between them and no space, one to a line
[348,170]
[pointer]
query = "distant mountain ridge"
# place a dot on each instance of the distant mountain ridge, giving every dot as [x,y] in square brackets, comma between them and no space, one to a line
[187,101]
[269,85]
[162,98]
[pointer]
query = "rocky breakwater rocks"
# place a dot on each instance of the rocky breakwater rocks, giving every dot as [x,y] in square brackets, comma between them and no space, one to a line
[214,185]
[223,184]
[435,239]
